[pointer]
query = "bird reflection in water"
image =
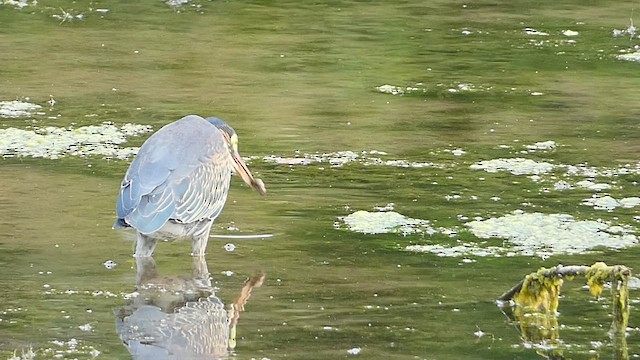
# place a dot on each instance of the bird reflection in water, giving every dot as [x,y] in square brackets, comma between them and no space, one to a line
[179,317]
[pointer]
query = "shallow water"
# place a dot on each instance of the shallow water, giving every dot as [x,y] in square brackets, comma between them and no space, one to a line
[300,84]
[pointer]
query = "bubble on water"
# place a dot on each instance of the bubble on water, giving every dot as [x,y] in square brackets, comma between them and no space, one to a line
[354,351]
[531,31]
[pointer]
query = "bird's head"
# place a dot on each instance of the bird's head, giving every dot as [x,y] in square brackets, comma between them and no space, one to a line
[231,140]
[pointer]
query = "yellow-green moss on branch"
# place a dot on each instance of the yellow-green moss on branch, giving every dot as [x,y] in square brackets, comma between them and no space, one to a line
[538,293]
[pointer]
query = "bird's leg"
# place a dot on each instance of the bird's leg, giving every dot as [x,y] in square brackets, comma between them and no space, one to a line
[201,275]
[145,269]
[144,245]
[201,237]
[200,269]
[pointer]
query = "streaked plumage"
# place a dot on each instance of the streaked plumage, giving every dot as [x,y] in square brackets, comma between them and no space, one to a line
[178,183]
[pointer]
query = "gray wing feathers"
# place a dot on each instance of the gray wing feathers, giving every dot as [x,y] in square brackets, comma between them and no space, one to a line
[176,169]
[152,212]
[206,193]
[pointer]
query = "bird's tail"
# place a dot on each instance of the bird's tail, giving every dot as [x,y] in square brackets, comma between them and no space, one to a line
[120,224]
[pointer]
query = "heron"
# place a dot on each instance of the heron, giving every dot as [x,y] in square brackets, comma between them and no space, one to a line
[180,316]
[178,183]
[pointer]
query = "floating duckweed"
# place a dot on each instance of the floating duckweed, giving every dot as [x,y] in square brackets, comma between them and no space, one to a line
[17,108]
[385,222]
[466,249]
[562,185]
[176,3]
[340,158]
[634,56]
[86,327]
[542,145]
[548,234]
[390,89]
[55,142]
[18,3]
[610,203]
[522,166]
[587,184]
[533,234]
[516,166]
[73,348]
[591,171]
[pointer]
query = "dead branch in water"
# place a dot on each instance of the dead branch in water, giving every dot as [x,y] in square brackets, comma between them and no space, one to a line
[534,301]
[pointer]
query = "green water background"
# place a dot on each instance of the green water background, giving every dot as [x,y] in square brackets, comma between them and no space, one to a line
[302,76]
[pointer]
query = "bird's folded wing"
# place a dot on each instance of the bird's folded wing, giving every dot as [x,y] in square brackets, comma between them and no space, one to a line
[178,174]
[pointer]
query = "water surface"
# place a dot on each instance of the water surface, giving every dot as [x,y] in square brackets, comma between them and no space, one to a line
[297,78]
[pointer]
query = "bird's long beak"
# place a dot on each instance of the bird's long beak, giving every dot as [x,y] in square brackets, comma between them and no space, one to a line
[242,169]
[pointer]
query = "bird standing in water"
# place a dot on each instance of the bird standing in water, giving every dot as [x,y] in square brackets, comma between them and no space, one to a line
[178,183]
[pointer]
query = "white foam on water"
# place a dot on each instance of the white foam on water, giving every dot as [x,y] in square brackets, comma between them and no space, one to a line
[610,203]
[341,158]
[553,233]
[516,166]
[535,234]
[367,222]
[634,56]
[55,142]
[17,108]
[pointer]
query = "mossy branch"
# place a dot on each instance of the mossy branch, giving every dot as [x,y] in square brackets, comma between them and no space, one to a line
[535,300]
[558,272]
